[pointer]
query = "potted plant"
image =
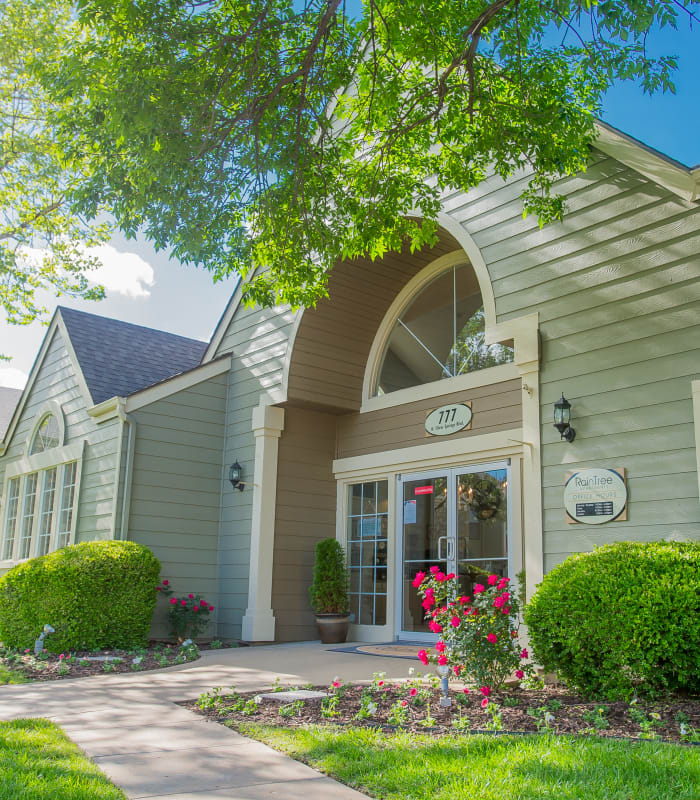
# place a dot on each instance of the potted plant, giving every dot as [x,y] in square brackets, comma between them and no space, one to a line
[329,592]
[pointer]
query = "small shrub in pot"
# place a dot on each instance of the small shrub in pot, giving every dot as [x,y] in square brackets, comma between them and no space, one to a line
[329,588]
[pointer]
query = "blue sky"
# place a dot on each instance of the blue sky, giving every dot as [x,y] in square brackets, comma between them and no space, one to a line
[146,288]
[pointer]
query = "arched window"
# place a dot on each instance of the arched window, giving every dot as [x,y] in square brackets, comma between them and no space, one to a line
[439,334]
[47,435]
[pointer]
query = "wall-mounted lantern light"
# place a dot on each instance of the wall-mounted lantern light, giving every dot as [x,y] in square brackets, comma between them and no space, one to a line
[562,417]
[235,475]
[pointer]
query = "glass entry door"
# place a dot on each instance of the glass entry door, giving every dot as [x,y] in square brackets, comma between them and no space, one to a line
[457,519]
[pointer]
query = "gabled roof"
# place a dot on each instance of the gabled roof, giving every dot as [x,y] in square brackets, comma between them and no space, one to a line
[118,358]
[8,402]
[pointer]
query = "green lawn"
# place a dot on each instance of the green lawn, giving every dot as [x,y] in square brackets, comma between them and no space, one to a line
[408,767]
[38,762]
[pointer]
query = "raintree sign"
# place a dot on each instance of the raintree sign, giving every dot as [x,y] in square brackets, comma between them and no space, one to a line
[595,496]
[448,419]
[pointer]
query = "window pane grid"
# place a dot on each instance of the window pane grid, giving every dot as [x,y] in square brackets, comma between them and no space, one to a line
[46,515]
[47,435]
[65,513]
[28,506]
[11,518]
[367,551]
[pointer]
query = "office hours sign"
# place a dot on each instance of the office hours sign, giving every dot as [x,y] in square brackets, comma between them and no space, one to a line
[595,496]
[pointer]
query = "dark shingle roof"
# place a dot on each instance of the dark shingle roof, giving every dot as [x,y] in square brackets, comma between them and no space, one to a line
[8,402]
[118,358]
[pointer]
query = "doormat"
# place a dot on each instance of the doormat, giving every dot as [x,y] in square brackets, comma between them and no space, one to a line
[386,649]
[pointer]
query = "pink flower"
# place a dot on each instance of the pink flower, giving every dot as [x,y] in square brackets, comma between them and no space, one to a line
[195,608]
[454,622]
[27,650]
[404,703]
[502,583]
[413,692]
[158,589]
[492,580]
[456,669]
[492,638]
[505,610]
[434,569]
[211,608]
[183,602]
[506,595]
[380,683]
[435,627]
[478,588]
[166,583]
[485,691]
[440,647]
[465,690]
[524,653]
[499,602]
[464,599]
[440,576]
[484,702]
[519,674]
[335,684]
[173,601]
[418,579]
[442,660]
[203,603]
[427,603]
[191,596]
[61,657]
[450,576]
[423,657]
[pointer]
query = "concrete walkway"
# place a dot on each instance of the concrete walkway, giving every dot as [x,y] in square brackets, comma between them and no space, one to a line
[130,726]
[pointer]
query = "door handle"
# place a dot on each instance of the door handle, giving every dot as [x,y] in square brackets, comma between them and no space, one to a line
[441,539]
[450,549]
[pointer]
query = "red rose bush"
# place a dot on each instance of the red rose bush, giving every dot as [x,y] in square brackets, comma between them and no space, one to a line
[478,633]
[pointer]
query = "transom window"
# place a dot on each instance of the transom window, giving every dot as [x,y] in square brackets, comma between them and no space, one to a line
[46,436]
[39,511]
[439,334]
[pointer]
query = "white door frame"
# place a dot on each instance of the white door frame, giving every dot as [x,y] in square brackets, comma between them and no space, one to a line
[450,473]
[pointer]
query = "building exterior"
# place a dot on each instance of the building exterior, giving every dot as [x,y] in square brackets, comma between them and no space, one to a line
[409,414]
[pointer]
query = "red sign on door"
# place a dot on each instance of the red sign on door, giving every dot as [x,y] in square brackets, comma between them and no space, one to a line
[423,490]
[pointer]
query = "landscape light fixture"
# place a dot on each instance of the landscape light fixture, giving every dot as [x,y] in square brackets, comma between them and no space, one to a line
[562,417]
[235,475]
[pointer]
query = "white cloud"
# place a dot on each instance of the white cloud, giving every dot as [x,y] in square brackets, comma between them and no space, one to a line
[12,377]
[120,273]
[123,273]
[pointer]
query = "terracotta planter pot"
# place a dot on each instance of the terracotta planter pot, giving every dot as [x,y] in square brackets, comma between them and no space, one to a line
[333,628]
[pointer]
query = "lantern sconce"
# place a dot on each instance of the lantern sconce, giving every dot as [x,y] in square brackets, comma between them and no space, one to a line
[562,418]
[235,475]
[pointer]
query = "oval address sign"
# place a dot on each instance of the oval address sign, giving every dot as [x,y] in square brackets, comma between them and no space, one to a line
[448,419]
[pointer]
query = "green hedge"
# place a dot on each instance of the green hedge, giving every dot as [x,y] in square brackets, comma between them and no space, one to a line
[96,595]
[621,620]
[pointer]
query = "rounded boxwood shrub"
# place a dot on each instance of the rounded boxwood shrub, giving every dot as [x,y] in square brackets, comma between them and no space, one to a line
[621,620]
[96,595]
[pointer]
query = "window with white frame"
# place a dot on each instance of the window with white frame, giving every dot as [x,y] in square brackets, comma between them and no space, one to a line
[47,435]
[39,511]
[440,333]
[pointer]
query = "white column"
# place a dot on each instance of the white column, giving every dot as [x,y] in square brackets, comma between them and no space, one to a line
[524,331]
[258,620]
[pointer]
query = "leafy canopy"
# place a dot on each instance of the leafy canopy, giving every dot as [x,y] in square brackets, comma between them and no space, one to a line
[290,134]
[44,240]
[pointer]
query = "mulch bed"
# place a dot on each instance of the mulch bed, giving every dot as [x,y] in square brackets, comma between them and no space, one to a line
[84,664]
[521,711]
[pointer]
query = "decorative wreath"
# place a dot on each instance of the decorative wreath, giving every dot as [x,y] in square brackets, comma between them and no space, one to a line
[483,493]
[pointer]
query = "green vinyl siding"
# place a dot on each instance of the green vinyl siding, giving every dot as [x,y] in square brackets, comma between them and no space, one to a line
[177,483]
[617,289]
